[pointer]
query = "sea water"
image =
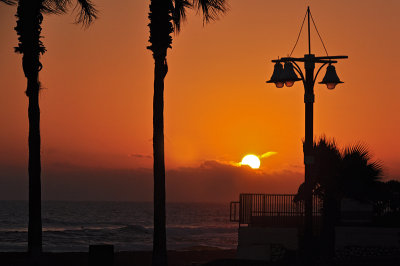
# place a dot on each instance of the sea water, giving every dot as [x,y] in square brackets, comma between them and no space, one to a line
[73,226]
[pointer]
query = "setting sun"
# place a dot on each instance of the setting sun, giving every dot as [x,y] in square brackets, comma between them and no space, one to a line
[251,160]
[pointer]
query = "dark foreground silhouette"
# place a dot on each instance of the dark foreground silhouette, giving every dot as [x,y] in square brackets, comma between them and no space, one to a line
[165,18]
[185,258]
[29,27]
[131,258]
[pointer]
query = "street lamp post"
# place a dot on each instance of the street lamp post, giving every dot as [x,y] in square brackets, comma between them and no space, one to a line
[286,76]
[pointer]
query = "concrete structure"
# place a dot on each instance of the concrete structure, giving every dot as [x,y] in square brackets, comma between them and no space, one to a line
[269,225]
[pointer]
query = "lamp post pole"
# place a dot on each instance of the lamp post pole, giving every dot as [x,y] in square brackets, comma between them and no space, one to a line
[309,66]
[287,76]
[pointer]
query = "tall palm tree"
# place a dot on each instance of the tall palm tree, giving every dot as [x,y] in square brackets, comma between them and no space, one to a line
[29,19]
[8,2]
[165,17]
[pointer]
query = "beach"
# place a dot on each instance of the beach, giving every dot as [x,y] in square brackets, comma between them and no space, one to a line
[123,258]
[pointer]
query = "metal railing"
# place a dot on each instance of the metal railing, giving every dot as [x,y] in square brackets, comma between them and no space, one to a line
[271,210]
[280,210]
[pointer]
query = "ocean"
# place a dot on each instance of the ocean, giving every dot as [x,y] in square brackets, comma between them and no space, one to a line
[73,226]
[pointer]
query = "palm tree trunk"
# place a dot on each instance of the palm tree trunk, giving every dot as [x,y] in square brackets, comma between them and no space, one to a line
[159,236]
[29,28]
[328,226]
[34,169]
[160,40]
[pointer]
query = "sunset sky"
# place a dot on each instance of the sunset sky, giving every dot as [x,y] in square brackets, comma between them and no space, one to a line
[96,105]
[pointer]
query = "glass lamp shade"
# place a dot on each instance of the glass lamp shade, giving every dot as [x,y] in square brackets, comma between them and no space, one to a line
[289,83]
[330,79]
[330,86]
[288,75]
[277,75]
[279,84]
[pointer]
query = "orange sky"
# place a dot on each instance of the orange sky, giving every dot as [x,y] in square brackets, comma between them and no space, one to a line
[97,103]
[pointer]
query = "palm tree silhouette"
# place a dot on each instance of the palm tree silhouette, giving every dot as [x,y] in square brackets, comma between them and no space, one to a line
[341,174]
[361,174]
[165,17]
[8,2]
[29,19]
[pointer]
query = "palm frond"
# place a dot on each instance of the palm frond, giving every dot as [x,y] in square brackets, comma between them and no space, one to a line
[361,174]
[54,6]
[327,164]
[179,13]
[359,149]
[9,2]
[359,155]
[325,143]
[87,12]
[301,193]
[211,9]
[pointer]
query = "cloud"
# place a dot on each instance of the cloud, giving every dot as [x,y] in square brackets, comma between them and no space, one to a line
[268,154]
[144,156]
[211,181]
[264,155]
[214,181]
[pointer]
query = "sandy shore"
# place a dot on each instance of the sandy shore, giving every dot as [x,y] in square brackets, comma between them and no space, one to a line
[131,258]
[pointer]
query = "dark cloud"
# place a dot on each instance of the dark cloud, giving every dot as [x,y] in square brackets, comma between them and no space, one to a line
[141,156]
[212,181]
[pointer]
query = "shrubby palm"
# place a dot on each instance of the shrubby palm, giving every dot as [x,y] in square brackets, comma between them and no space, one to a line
[337,175]
[165,17]
[29,19]
[361,174]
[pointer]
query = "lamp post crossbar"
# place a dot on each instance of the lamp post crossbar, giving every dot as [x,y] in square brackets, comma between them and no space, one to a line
[317,59]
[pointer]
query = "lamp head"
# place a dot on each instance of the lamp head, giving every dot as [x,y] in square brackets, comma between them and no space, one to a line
[277,75]
[288,75]
[331,78]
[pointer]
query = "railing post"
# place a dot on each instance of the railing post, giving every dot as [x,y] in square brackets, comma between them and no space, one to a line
[274,208]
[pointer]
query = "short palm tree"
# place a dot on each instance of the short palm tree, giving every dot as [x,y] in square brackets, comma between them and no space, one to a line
[337,175]
[165,17]
[29,19]
[327,173]
[361,175]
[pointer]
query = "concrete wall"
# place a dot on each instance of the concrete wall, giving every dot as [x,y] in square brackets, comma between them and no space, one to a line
[367,236]
[259,243]
[267,235]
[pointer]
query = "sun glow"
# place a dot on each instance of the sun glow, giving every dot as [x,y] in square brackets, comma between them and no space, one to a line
[251,160]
